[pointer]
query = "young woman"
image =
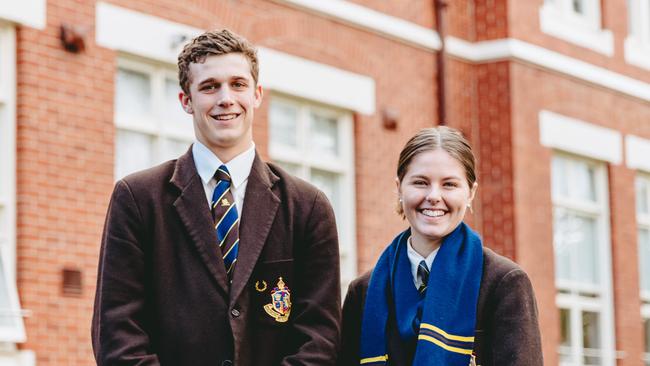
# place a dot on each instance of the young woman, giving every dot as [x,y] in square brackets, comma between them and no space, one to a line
[437,296]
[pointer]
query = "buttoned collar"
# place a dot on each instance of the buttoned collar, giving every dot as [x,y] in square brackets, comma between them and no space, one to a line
[415,258]
[207,163]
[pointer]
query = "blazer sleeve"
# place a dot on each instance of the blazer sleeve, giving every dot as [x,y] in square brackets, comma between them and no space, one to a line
[516,338]
[316,311]
[351,326]
[119,333]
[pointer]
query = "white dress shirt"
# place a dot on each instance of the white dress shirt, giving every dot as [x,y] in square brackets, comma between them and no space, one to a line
[239,168]
[415,258]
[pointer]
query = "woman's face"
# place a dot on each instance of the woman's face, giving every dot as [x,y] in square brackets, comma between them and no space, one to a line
[434,195]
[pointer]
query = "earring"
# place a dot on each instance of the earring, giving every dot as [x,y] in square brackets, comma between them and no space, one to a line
[469,206]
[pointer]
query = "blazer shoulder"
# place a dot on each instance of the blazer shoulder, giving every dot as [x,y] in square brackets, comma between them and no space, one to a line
[291,181]
[295,187]
[496,268]
[155,175]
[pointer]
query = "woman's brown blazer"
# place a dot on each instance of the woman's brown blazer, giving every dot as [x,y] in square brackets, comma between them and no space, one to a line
[507,331]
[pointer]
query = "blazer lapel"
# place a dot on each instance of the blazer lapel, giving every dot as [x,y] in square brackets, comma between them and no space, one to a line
[194,213]
[260,207]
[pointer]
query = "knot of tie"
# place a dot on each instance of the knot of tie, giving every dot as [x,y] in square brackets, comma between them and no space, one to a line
[222,174]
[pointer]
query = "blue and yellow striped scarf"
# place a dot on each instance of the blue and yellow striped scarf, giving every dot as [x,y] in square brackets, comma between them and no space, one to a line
[446,332]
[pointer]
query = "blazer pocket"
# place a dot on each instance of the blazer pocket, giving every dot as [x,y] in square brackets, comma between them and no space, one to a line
[272,284]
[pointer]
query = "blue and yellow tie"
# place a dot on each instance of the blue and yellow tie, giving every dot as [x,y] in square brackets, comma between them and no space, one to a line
[226,219]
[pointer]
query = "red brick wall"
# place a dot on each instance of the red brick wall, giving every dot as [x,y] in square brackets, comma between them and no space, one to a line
[64,176]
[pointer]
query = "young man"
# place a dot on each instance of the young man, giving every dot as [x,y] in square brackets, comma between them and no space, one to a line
[218,258]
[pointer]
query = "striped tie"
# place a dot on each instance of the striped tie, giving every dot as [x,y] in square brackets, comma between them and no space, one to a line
[423,273]
[226,219]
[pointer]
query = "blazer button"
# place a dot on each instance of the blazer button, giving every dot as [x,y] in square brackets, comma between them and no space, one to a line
[234,313]
[226,363]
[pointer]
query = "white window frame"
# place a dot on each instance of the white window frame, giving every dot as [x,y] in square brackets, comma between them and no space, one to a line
[637,42]
[8,173]
[344,165]
[578,298]
[558,19]
[152,125]
[643,222]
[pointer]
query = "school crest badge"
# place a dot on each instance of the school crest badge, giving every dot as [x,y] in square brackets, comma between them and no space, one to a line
[280,306]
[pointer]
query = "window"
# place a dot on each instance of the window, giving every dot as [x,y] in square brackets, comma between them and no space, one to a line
[11,322]
[151,125]
[643,224]
[637,43]
[577,22]
[582,261]
[315,143]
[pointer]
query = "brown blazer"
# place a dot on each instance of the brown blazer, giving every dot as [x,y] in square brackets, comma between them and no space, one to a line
[162,293]
[507,331]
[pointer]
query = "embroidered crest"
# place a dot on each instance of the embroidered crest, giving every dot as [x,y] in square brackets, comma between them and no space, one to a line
[260,288]
[280,306]
[225,202]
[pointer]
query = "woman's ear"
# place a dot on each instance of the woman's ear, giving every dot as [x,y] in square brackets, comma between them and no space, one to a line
[472,192]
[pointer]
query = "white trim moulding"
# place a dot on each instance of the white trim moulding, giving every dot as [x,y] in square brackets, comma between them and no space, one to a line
[514,49]
[316,81]
[31,13]
[371,20]
[580,137]
[637,150]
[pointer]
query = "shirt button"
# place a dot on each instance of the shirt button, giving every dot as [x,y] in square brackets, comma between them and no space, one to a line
[234,313]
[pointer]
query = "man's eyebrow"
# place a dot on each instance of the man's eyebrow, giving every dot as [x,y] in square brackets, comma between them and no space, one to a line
[208,81]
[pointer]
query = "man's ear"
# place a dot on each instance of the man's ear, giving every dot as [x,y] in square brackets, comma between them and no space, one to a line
[259,94]
[186,102]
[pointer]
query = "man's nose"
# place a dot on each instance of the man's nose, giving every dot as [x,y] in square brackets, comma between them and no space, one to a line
[225,97]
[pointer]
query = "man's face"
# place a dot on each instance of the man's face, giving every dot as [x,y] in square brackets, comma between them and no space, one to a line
[222,100]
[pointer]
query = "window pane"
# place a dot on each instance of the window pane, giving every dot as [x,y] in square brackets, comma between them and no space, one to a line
[132,152]
[328,183]
[175,117]
[642,193]
[283,123]
[591,337]
[565,327]
[587,253]
[172,149]
[646,332]
[578,6]
[584,182]
[560,184]
[562,242]
[576,253]
[632,16]
[644,259]
[324,135]
[293,169]
[132,94]
[8,315]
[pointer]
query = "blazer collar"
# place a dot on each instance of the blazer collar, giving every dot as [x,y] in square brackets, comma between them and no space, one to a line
[260,207]
[194,212]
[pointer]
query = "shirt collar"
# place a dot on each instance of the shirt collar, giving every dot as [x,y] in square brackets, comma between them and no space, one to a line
[207,163]
[415,258]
